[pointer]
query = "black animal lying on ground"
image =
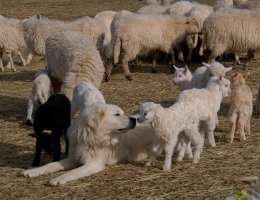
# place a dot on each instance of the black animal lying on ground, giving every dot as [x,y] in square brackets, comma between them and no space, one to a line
[51,121]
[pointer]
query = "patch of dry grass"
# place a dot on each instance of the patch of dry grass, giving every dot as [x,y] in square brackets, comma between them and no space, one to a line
[210,179]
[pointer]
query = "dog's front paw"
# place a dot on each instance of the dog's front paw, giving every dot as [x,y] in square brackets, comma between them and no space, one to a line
[58,181]
[31,173]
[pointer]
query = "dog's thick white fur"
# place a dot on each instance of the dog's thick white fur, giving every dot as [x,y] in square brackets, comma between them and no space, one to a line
[95,142]
[84,95]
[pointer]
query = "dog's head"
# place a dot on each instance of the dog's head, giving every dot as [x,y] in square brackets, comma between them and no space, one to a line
[147,112]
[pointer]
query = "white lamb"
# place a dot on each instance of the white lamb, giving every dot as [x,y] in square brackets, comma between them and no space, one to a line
[182,77]
[36,31]
[202,75]
[168,123]
[142,33]
[41,91]
[72,58]
[11,40]
[84,95]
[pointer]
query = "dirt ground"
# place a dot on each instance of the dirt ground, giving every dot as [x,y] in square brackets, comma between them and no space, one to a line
[211,178]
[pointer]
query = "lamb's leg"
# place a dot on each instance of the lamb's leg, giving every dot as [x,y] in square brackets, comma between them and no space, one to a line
[189,151]
[184,145]
[65,164]
[29,58]
[37,156]
[232,127]
[83,171]
[56,148]
[126,69]
[21,57]
[29,112]
[9,55]
[156,148]
[210,131]
[241,126]
[237,59]
[154,62]
[169,147]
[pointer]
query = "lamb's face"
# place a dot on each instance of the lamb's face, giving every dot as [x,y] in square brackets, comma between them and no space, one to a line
[180,75]
[147,113]
[216,69]
[224,86]
[236,80]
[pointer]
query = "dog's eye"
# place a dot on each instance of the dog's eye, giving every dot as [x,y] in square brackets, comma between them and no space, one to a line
[117,114]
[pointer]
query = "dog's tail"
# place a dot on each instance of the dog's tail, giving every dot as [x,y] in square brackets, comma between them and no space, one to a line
[117,49]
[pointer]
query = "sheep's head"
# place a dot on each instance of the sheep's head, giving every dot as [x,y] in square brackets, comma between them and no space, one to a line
[147,112]
[193,26]
[215,69]
[222,83]
[181,75]
[237,79]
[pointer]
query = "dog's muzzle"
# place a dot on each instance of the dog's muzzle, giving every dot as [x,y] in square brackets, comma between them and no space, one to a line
[131,124]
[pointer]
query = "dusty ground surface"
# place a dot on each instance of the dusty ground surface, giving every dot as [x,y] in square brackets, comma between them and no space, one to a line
[210,179]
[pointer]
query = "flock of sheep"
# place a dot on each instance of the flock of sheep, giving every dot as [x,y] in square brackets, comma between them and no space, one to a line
[86,49]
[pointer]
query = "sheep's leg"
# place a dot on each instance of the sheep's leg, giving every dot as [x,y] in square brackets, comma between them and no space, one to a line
[80,172]
[154,62]
[126,68]
[21,57]
[172,55]
[180,56]
[29,58]
[189,56]
[37,156]
[169,147]
[9,55]
[232,127]
[241,127]
[237,59]
[29,112]
[56,148]
[109,67]
[257,104]
[64,164]
[1,62]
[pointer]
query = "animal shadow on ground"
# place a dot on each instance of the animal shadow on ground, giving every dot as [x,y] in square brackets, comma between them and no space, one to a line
[25,76]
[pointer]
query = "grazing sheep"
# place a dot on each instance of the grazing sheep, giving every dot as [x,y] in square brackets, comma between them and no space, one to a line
[257,104]
[84,95]
[207,104]
[241,108]
[72,58]
[182,77]
[220,37]
[51,121]
[162,2]
[223,4]
[36,31]
[152,10]
[149,32]
[11,40]
[202,75]
[180,8]
[168,124]
[41,91]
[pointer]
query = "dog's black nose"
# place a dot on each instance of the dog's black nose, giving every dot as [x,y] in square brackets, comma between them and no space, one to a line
[132,122]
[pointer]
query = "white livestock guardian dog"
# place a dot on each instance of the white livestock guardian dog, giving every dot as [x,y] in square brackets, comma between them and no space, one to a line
[96,142]
[84,95]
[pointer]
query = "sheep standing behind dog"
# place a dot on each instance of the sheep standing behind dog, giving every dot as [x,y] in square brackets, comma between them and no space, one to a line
[11,40]
[241,108]
[41,91]
[84,95]
[149,32]
[72,58]
[51,121]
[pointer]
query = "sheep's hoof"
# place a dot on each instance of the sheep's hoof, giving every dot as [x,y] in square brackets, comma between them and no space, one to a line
[107,78]
[129,77]
[154,71]
[29,122]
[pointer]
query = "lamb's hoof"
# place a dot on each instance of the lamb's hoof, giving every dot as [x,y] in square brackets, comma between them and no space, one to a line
[166,168]
[29,122]
[179,159]
[213,145]
[154,71]
[129,77]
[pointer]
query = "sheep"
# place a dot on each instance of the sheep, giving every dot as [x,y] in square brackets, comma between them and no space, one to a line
[84,95]
[202,75]
[182,77]
[241,108]
[72,58]
[152,9]
[36,30]
[207,104]
[223,4]
[220,37]
[11,40]
[51,121]
[41,91]
[143,33]
[257,104]
[180,8]
[168,124]
[162,2]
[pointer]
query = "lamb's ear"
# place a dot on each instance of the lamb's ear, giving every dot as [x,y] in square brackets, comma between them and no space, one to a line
[186,69]
[175,68]
[227,69]
[206,64]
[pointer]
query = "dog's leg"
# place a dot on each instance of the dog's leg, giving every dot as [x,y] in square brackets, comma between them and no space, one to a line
[83,171]
[37,157]
[51,167]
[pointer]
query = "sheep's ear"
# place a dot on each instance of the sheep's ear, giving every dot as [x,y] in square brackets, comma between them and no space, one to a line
[206,64]
[227,69]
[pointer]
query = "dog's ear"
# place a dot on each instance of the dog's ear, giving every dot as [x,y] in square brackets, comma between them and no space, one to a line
[96,119]
[101,114]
